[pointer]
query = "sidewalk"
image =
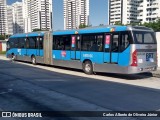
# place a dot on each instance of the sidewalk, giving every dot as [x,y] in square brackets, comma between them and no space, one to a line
[155,73]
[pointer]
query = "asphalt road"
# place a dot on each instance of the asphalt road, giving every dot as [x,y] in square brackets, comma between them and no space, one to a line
[27,88]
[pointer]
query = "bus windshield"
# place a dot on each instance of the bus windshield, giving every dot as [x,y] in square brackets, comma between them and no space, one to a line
[144,37]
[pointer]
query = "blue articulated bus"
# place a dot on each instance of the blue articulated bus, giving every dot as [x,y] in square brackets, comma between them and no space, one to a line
[112,49]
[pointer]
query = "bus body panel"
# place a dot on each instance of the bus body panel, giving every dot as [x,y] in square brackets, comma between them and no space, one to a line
[94,57]
[147,56]
[112,62]
[124,57]
[75,55]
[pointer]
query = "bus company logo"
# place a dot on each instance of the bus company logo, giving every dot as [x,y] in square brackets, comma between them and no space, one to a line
[112,29]
[6,114]
[76,32]
[63,54]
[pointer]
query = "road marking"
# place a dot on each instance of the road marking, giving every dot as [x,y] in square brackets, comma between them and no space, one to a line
[5,92]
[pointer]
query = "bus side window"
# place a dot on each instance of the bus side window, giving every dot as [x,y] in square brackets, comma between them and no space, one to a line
[67,43]
[32,42]
[22,43]
[57,43]
[62,43]
[11,42]
[124,41]
[89,43]
[100,43]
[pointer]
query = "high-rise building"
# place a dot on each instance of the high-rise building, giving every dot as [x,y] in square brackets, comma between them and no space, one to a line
[131,11]
[9,20]
[37,14]
[15,21]
[3,17]
[76,12]
[149,10]
[123,11]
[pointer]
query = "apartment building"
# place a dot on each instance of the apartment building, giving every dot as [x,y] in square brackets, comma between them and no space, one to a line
[9,30]
[3,17]
[123,11]
[149,10]
[15,21]
[38,14]
[131,11]
[76,12]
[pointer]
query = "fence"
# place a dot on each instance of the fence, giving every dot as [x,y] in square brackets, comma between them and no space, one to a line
[3,45]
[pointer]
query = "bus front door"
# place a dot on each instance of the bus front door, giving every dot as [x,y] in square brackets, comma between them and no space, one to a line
[75,47]
[47,48]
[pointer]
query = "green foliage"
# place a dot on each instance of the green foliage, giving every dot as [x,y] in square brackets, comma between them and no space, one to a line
[118,23]
[82,26]
[2,52]
[154,25]
[101,24]
[2,37]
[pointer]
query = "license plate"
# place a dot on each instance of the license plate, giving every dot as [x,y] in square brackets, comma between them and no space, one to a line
[149,57]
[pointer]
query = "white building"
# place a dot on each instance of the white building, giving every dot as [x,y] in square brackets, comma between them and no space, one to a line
[149,10]
[123,11]
[9,20]
[158,47]
[3,17]
[37,14]
[76,12]
[131,11]
[15,21]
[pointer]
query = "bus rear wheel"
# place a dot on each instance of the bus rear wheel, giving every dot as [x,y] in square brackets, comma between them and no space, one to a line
[33,59]
[88,67]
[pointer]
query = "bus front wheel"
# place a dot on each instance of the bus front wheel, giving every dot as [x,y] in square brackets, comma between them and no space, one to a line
[88,67]
[33,59]
[13,57]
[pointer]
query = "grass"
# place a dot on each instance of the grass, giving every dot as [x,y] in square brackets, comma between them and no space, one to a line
[2,52]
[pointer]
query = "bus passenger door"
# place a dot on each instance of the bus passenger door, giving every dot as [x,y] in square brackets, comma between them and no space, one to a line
[111,51]
[47,47]
[75,47]
[39,46]
[114,51]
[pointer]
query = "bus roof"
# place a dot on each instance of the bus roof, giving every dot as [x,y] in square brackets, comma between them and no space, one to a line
[32,34]
[91,30]
[109,28]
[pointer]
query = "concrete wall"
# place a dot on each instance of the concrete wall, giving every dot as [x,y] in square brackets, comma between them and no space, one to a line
[3,42]
[158,47]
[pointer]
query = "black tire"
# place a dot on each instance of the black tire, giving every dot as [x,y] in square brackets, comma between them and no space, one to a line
[88,68]
[33,60]
[13,58]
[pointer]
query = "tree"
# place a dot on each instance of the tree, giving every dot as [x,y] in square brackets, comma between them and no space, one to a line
[101,24]
[118,23]
[154,25]
[82,26]
[2,37]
